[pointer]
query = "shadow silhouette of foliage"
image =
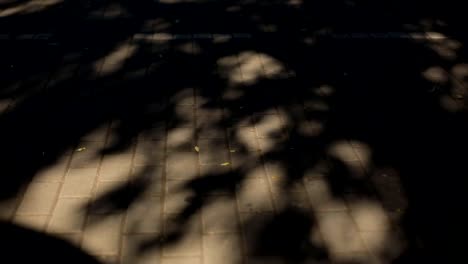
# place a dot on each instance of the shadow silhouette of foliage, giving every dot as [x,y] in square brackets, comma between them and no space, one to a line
[72,67]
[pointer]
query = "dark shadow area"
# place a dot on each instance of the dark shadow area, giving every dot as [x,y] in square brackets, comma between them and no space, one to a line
[386,79]
[23,245]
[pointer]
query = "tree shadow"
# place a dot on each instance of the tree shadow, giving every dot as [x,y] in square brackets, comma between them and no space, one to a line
[324,98]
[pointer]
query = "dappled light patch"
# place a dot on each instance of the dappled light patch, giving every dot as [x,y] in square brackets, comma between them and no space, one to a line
[369,215]
[218,216]
[249,67]
[273,68]
[363,152]
[253,196]
[245,137]
[180,137]
[436,74]
[269,126]
[229,69]
[340,233]
[446,47]
[255,66]
[321,196]
[31,6]
[342,150]
[115,60]
[454,80]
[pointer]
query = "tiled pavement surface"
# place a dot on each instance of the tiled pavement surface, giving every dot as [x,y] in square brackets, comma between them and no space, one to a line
[222,154]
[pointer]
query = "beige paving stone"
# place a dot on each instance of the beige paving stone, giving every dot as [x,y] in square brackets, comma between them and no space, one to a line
[114,173]
[184,116]
[131,249]
[284,193]
[182,165]
[298,200]
[214,169]
[149,153]
[155,133]
[54,173]
[243,138]
[36,222]
[267,144]
[145,216]
[222,248]
[190,243]
[369,215]
[343,151]
[116,166]
[74,239]
[250,66]
[151,177]
[116,59]
[207,117]
[79,182]
[38,199]
[273,68]
[269,126]
[102,234]
[253,224]
[106,197]
[385,246]
[254,196]
[123,159]
[339,232]
[220,216]
[211,132]
[181,138]
[68,216]
[108,259]
[321,198]
[86,154]
[213,151]
[181,260]
[178,197]
[244,160]
[363,152]
[352,257]
[257,172]
[266,260]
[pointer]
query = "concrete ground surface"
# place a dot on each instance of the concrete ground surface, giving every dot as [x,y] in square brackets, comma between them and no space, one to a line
[232,132]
